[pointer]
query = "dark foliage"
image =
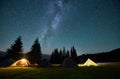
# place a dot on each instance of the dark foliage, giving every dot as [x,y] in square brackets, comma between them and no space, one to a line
[67,54]
[15,50]
[34,56]
[73,54]
[57,57]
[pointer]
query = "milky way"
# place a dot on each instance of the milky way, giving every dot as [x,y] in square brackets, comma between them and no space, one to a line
[55,10]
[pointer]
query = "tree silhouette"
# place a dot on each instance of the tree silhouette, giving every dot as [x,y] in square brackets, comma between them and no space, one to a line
[35,54]
[55,57]
[61,56]
[64,52]
[67,54]
[73,53]
[15,50]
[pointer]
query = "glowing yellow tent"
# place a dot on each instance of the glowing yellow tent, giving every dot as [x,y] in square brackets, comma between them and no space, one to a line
[21,63]
[89,62]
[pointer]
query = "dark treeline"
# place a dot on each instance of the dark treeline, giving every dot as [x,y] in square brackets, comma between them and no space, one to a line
[111,56]
[16,49]
[58,56]
[34,55]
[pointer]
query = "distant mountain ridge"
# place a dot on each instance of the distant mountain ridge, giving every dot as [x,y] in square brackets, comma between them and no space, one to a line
[110,56]
[2,54]
[45,56]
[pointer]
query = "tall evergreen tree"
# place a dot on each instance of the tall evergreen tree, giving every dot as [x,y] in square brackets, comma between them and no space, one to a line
[35,54]
[73,53]
[61,56]
[15,50]
[55,57]
[67,54]
[64,52]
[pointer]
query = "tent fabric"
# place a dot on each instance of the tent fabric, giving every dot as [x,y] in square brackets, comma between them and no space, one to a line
[89,62]
[68,62]
[21,63]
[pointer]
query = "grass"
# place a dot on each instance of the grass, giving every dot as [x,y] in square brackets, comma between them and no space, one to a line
[60,73]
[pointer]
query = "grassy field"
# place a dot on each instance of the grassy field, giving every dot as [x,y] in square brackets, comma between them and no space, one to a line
[60,73]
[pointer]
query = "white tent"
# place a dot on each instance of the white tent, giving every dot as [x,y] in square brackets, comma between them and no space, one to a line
[89,62]
[21,63]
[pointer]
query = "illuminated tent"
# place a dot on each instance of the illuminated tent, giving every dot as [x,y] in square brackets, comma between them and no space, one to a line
[21,63]
[89,62]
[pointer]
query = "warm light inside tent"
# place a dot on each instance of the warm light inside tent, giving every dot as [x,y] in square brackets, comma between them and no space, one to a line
[89,62]
[80,65]
[22,62]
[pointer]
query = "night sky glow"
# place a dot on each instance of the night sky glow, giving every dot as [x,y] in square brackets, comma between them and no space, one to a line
[90,25]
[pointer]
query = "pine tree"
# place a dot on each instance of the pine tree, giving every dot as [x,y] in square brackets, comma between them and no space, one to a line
[35,54]
[64,52]
[73,53]
[15,50]
[55,57]
[51,60]
[61,56]
[67,54]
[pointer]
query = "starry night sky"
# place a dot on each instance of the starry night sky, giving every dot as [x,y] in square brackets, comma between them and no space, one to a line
[90,25]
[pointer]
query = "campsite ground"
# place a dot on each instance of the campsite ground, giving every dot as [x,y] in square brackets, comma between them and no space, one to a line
[60,73]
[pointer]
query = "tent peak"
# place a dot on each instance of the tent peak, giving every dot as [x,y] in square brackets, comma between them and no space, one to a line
[89,62]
